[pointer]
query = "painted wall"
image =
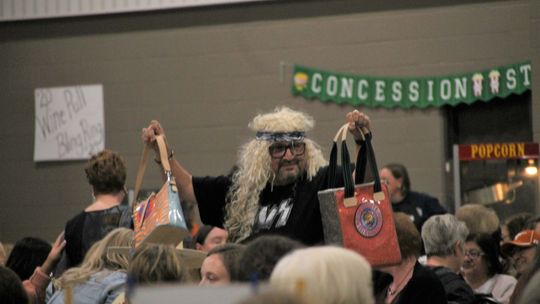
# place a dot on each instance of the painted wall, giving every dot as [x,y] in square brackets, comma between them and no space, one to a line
[205,72]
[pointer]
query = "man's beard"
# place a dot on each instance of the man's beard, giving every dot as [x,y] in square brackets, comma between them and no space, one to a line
[287,177]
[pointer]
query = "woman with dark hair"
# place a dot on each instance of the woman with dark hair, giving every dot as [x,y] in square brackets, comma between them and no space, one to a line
[106,173]
[11,288]
[527,291]
[419,206]
[27,254]
[221,263]
[209,237]
[482,268]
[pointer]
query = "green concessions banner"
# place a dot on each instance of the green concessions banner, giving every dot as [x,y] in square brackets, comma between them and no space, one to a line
[411,92]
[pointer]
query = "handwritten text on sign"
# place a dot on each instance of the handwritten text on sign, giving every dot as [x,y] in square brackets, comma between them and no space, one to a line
[69,122]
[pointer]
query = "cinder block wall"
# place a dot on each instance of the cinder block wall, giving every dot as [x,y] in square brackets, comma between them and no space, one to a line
[205,72]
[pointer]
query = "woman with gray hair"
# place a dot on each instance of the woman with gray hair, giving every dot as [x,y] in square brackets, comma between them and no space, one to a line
[444,240]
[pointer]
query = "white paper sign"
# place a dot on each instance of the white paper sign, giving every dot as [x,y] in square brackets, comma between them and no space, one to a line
[69,122]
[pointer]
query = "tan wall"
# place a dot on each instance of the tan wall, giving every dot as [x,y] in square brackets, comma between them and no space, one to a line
[205,72]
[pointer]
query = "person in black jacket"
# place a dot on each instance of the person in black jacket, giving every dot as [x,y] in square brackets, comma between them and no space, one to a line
[444,242]
[419,206]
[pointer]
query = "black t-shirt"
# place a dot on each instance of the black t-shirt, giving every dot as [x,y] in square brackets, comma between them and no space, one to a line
[423,287]
[86,228]
[291,210]
[457,290]
[419,207]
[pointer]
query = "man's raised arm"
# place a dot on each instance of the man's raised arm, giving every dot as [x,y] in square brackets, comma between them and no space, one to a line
[181,175]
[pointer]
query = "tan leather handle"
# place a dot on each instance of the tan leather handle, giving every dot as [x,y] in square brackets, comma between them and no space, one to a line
[163,153]
[142,165]
[344,130]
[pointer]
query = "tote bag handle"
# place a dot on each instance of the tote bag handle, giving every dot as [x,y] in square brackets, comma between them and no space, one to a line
[144,161]
[365,154]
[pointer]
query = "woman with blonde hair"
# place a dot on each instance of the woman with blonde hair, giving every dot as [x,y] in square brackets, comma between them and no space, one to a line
[155,263]
[329,275]
[101,276]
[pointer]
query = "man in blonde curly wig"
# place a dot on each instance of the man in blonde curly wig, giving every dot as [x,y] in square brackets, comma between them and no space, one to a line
[278,169]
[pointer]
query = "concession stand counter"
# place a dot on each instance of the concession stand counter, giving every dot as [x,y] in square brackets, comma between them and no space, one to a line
[501,175]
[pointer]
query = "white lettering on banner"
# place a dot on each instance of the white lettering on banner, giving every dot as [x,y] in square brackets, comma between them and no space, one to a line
[446,90]
[69,122]
[525,70]
[331,86]
[461,87]
[430,90]
[389,92]
[414,95]
[362,85]
[396,91]
[346,88]
[379,90]
[316,88]
[511,79]
[267,214]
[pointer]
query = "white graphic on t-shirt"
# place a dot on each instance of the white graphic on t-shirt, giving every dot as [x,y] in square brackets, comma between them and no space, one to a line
[268,214]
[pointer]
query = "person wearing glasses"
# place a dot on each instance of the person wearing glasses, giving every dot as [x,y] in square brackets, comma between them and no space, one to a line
[274,187]
[482,268]
[419,206]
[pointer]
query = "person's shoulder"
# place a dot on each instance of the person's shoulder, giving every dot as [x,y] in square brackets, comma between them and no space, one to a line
[504,279]
[108,277]
[76,220]
[424,270]
[425,276]
[422,197]
[446,275]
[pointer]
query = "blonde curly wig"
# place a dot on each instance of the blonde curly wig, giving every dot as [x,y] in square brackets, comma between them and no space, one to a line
[254,171]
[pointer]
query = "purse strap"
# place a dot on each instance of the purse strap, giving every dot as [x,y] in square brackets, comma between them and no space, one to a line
[365,154]
[144,161]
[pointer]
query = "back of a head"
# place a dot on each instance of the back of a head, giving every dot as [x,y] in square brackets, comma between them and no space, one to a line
[261,255]
[478,218]
[441,232]
[119,237]
[410,243]
[26,255]
[156,263]
[329,275]
[106,172]
[11,288]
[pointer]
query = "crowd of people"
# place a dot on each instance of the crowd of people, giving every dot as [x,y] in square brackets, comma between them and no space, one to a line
[262,224]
